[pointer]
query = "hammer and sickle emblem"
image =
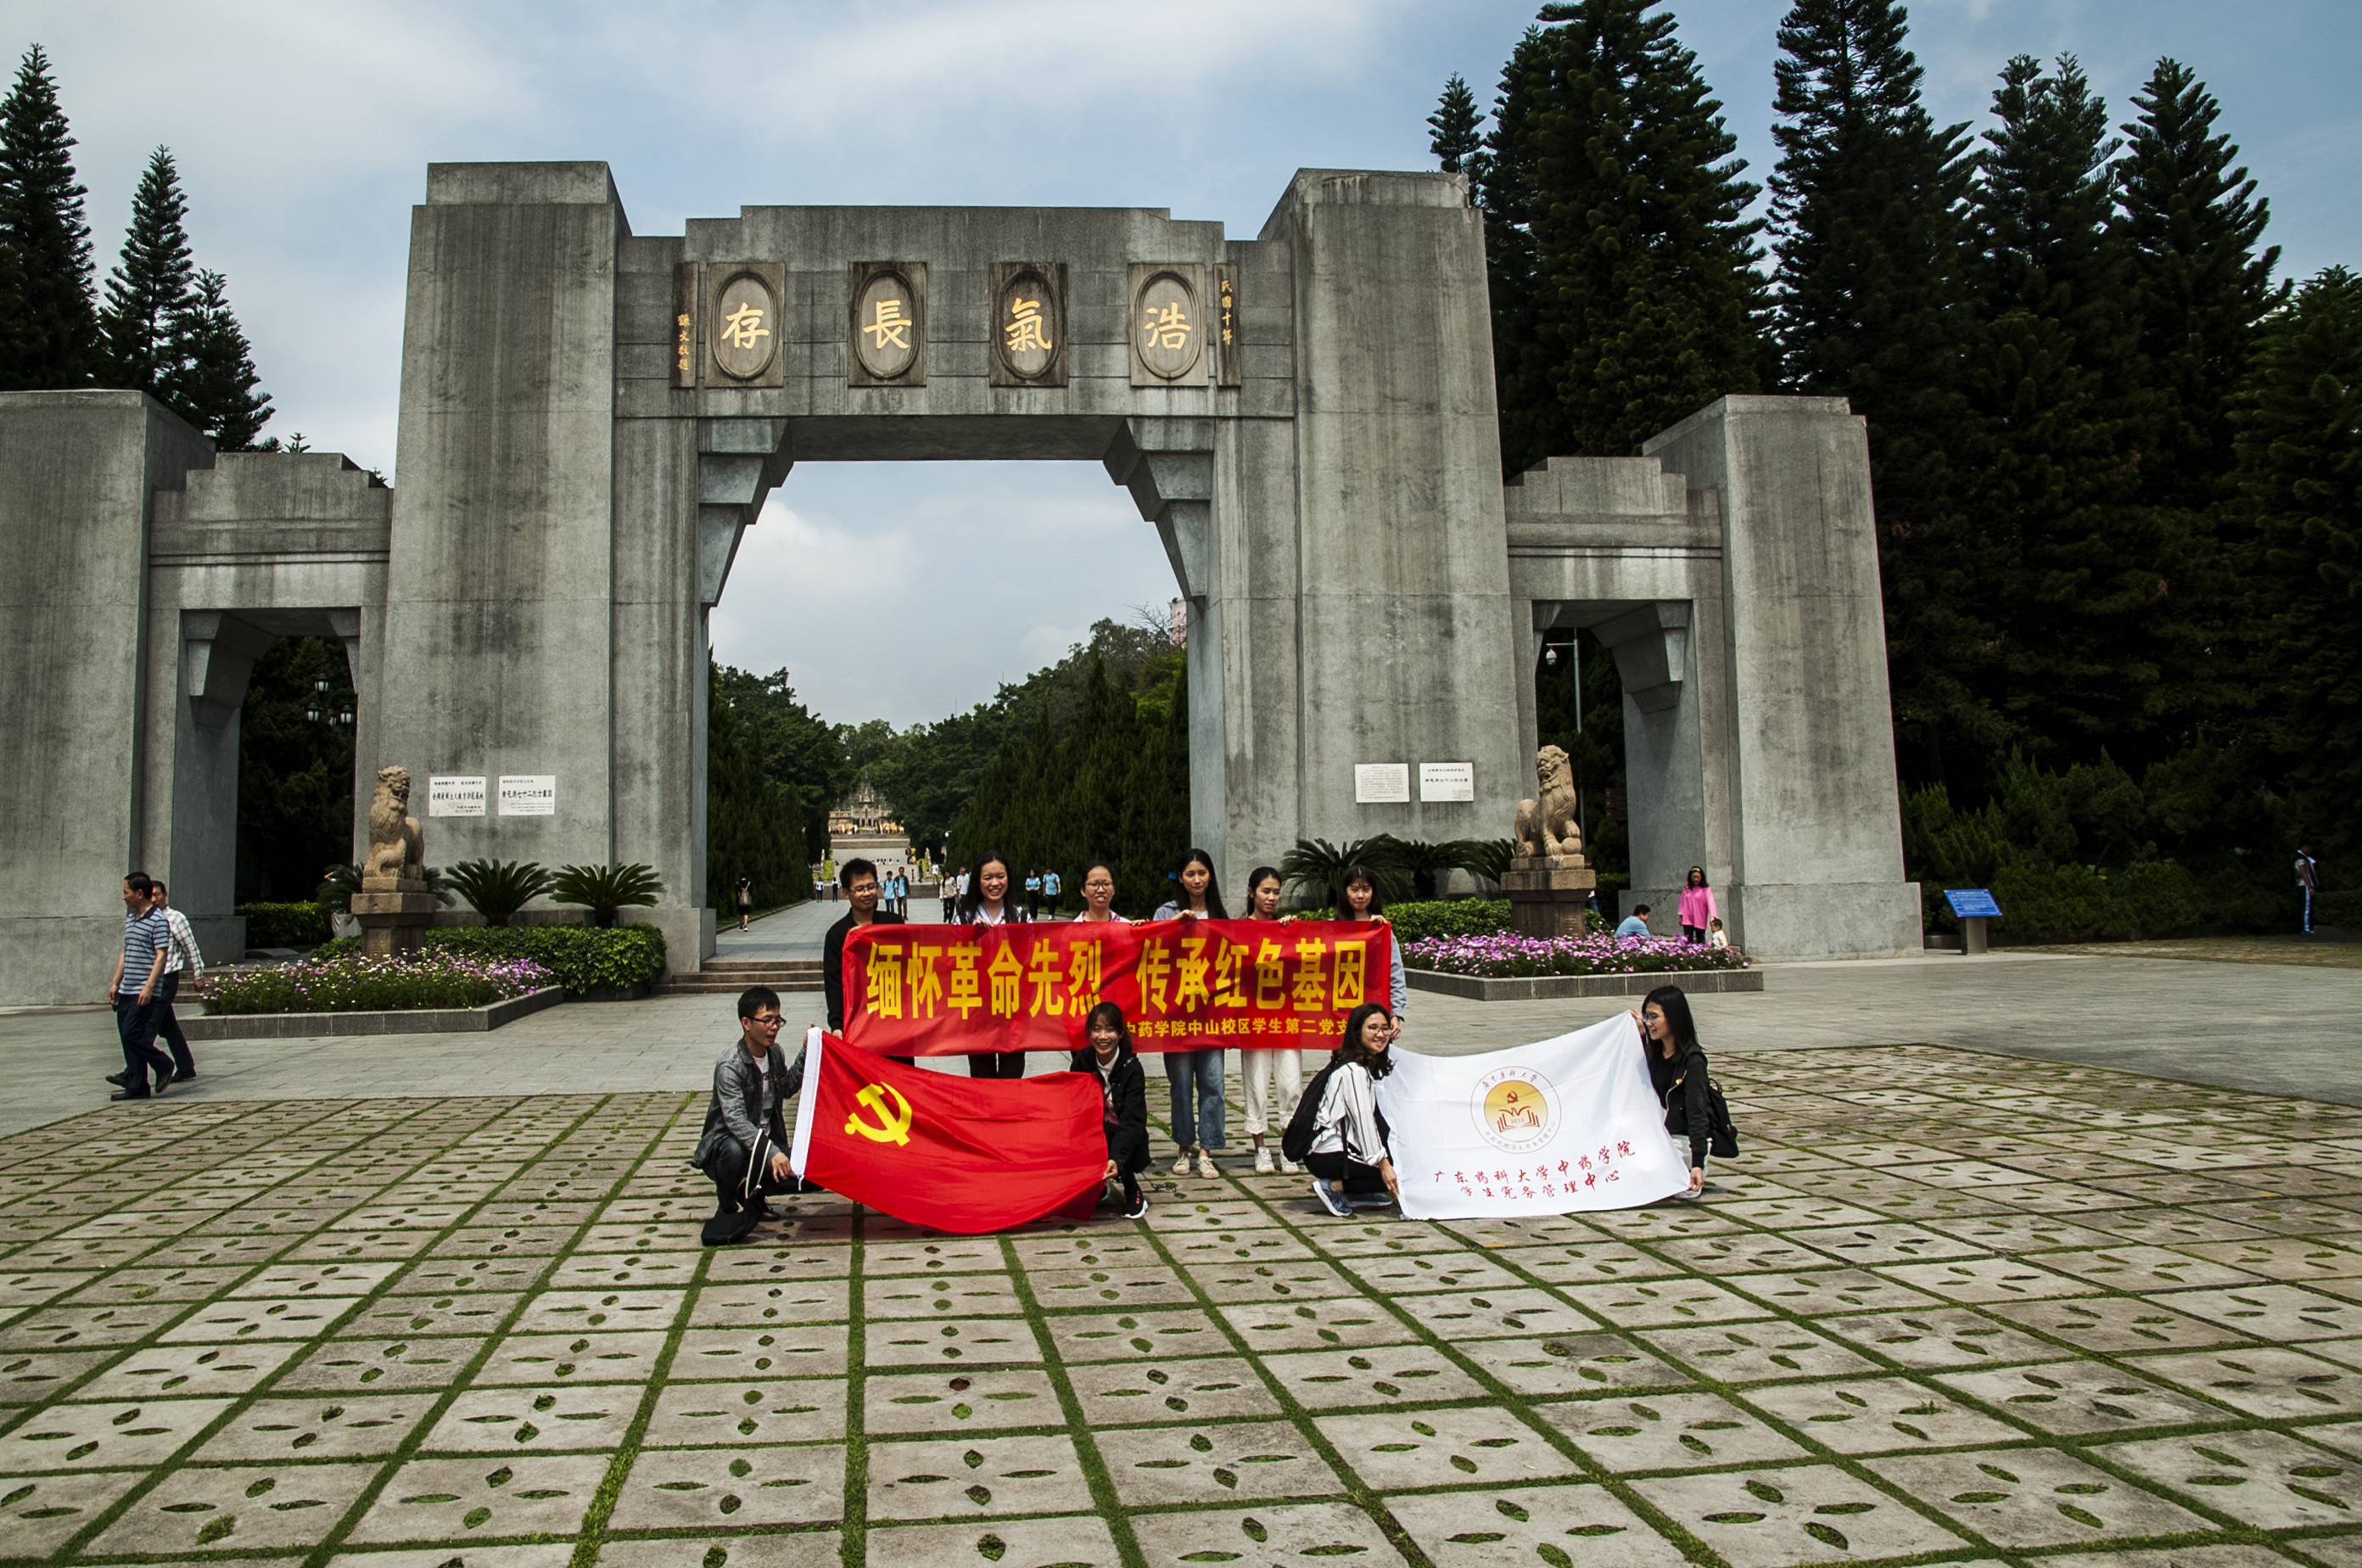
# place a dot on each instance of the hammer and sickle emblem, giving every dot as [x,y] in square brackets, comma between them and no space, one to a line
[894,1126]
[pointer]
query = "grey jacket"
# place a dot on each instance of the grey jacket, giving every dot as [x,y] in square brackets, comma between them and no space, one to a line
[737,1109]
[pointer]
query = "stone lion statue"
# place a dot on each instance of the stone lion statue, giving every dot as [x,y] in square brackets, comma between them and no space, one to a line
[396,854]
[1549,826]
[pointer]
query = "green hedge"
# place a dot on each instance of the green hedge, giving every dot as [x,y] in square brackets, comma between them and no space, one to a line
[583,958]
[284,925]
[2148,899]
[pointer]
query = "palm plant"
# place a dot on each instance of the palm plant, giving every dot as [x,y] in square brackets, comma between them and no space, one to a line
[1316,863]
[1490,857]
[605,890]
[339,883]
[1425,862]
[498,888]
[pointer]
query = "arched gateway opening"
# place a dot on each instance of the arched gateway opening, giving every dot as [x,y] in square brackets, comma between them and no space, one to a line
[591,418]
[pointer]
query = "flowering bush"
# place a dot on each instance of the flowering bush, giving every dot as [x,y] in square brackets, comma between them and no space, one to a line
[1509,955]
[583,958]
[353,983]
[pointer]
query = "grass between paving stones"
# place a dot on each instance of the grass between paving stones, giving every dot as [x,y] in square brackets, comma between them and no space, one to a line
[1798,1117]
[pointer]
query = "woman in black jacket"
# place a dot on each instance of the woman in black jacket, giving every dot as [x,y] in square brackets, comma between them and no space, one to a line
[1124,1091]
[1669,1037]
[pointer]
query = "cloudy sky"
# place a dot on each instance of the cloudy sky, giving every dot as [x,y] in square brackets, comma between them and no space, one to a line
[302,132]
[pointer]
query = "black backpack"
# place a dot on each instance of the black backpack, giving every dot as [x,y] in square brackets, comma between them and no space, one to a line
[1722,1134]
[1296,1141]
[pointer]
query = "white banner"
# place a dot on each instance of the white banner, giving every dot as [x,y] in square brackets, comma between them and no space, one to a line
[1550,1128]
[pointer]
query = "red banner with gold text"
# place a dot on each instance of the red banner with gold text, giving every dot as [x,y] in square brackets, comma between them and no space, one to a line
[1183,985]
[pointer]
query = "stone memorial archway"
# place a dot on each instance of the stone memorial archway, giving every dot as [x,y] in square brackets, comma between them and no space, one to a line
[591,419]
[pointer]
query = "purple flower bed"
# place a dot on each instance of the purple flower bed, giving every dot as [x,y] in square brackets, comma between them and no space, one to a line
[1508,955]
[353,983]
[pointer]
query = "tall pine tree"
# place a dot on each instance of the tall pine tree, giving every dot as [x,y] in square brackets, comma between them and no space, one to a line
[1868,206]
[49,334]
[1609,150]
[2300,448]
[152,285]
[2188,227]
[1456,141]
[2086,618]
[210,379]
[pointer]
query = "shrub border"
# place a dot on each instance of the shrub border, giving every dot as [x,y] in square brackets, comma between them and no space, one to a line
[1554,988]
[409,1020]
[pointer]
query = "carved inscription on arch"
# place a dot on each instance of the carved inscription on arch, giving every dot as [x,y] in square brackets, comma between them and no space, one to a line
[886,320]
[1028,332]
[1169,324]
[742,323]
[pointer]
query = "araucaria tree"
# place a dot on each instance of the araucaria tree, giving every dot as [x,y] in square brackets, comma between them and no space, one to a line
[149,288]
[48,325]
[1868,212]
[1624,289]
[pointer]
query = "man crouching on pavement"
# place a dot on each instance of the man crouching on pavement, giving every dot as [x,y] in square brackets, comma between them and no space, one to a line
[744,1147]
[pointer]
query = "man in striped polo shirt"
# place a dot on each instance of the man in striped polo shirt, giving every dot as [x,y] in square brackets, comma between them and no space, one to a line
[133,992]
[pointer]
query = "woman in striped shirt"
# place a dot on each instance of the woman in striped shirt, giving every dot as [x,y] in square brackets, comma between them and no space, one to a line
[1349,1165]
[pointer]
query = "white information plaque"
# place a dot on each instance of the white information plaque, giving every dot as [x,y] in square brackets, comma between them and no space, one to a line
[451,796]
[1381,783]
[528,794]
[1447,781]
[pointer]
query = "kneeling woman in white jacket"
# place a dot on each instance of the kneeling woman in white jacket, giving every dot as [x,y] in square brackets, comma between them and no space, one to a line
[1348,1158]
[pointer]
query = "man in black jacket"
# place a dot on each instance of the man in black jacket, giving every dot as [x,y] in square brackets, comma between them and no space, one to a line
[860,879]
[1124,1091]
[744,1145]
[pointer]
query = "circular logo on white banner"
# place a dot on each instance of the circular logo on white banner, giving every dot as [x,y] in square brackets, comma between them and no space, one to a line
[1516,1110]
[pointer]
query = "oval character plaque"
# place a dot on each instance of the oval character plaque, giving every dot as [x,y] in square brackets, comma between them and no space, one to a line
[885,326]
[1025,318]
[746,327]
[1166,325]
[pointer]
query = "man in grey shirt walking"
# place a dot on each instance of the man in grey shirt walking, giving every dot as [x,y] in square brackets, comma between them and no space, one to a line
[133,992]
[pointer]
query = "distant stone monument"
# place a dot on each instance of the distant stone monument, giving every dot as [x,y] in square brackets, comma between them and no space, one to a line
[1548,883]
[393,905]
[863,825]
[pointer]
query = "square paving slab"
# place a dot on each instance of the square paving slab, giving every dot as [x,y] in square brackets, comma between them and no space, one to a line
[2047,1311]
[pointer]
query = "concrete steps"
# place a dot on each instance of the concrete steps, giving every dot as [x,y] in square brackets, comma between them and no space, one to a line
[728,976]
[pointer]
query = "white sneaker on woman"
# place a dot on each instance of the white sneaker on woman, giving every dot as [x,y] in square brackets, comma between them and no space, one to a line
[1262,1161]
[1181,1166]
[1206,1163]
[1289,1167]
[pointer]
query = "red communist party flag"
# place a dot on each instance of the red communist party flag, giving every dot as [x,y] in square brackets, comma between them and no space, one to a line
[961,1155]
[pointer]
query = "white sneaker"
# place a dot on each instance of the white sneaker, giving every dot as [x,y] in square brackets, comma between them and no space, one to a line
[1289,1167]
[1181,1166]
[1262,1161]
[1206,1163]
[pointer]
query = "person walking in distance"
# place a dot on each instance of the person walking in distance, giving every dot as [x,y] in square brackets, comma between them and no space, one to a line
[1196,1076]
[1032,895]
[745,899]
[994,902]
[131,992]
[1697,911]
[2308,881]
[182,957]
[1266,1071]
[1051,889]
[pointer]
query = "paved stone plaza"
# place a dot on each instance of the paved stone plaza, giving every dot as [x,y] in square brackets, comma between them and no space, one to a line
[1948,1306]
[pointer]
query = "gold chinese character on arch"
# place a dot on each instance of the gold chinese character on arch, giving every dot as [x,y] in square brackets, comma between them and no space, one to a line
[743,327]
[1167,327]
[887,325]
[1024,328]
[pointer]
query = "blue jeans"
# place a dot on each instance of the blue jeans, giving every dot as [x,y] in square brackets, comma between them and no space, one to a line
[1203,1129]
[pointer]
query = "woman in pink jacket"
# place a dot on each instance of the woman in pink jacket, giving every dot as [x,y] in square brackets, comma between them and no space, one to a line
[1697,905]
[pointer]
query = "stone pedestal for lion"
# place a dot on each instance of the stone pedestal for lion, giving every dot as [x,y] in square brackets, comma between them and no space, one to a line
[1548,883]
[393,905]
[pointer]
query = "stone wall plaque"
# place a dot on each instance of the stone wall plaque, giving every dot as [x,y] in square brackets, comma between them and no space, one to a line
[450,795]
[742,323]
[1228,335]
[1029,324]
[1381,783]
[528,794]
[886,313]
[684,323]
[1169,324]
[1447,781]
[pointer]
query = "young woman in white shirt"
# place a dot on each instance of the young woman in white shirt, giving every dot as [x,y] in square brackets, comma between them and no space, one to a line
[1196,1075]
[1099,894]
[1266,1070]
[1360,900]
[1349,1165]
[989,904]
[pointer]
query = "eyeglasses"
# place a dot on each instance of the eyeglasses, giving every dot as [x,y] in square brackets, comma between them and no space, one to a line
[772,1022]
